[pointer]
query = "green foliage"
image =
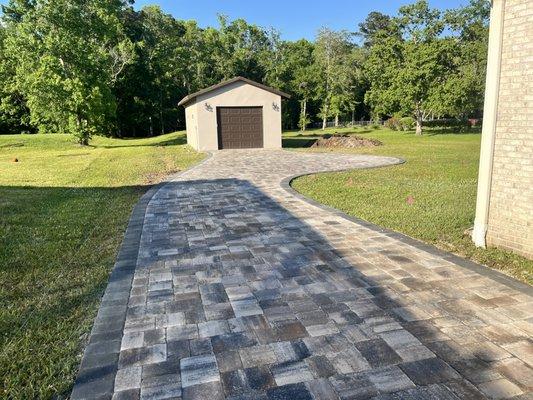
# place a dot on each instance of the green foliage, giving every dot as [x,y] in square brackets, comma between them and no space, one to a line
[407,123]
[296,73]
[400,124]
[414,64]
[422,74]
[374,26]
[102,67]
[14,114]
[338,71]
[393,124]
[67,53]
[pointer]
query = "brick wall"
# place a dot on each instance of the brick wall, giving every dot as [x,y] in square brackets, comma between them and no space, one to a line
[511,201]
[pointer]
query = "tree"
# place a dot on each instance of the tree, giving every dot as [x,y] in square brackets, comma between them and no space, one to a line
[293,71]
[374,23]
[304,82]
[464,89]
[68,54]
[100,66]
[330,53]
[14,113]
[407,72]
[237,47]
[380,68]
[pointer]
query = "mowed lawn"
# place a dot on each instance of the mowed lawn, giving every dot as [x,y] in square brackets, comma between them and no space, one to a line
[63,211]
[431,197]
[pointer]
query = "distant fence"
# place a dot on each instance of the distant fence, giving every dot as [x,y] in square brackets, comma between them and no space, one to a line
[346,124]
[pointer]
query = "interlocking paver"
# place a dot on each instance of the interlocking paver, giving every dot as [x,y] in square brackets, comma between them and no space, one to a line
[198,370]
[243,290]
[432,370]
[500,389]
[291,372]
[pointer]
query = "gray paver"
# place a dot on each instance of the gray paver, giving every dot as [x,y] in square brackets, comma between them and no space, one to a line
[232,286]
[198,370]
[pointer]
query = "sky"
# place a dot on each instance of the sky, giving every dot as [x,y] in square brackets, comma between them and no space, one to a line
[295,19]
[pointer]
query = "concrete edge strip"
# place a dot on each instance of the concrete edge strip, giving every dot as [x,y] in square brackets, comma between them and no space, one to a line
[99,364]
[429,248]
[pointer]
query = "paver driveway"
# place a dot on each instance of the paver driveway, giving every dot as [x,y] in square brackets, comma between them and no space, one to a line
[242,290]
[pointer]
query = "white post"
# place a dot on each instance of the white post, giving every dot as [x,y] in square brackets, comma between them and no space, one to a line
[490,111]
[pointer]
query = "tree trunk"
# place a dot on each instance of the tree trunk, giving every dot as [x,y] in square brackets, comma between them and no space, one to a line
[151,127]
[325,118]
[419,125]
[336,120]
[83,136]
[161,112]
[303,115]
[419,117]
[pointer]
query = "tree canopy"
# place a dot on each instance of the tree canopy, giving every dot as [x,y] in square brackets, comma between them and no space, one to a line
[90,67]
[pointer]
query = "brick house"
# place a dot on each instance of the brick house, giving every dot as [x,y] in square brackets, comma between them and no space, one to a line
[504,211]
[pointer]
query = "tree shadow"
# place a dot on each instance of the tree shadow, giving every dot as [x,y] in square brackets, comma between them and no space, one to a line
[451,131]
[357,312]
[363,316]
[298,142]
[182,139]
[308,138]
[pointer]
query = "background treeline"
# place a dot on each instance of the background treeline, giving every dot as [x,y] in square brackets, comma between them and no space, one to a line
[99,67]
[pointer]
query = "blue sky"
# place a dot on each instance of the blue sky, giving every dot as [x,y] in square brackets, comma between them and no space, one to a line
[295,19]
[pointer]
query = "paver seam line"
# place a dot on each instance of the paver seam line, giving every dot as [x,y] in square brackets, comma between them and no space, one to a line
[96,376]
[418,244]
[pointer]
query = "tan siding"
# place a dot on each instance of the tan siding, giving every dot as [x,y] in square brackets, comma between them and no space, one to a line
[237,94]
[191,121]
[511,202]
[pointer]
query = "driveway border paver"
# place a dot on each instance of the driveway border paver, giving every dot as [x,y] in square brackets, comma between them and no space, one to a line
[429,248]
[97,372]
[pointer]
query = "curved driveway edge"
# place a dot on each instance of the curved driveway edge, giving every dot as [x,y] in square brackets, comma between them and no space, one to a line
[230,285]
[458,260]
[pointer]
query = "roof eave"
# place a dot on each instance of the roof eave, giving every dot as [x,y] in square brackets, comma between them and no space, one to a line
[190,97]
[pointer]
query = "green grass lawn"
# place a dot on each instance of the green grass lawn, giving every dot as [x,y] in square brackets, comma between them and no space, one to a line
[63,211]
[439,178]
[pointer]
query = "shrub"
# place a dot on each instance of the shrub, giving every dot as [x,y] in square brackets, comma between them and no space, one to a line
[407,123]
[393,123]
[475,122]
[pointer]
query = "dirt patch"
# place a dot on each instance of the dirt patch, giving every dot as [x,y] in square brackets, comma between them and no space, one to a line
[347,141]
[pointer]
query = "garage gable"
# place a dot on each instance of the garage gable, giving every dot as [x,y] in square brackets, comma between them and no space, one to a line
[193,96]
[235,114]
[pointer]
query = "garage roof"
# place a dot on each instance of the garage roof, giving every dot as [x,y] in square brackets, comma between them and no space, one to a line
[192,96]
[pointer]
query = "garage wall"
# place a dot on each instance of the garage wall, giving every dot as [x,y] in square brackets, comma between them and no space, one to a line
[191,121]
[238,94]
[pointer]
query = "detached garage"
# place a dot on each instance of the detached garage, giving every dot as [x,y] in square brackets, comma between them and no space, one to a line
[234,114]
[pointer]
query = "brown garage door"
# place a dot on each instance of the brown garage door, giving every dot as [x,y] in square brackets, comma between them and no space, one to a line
[240,127]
